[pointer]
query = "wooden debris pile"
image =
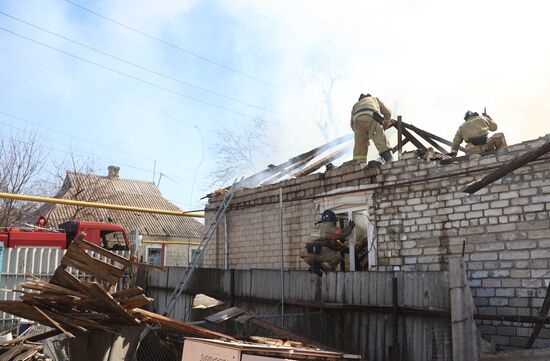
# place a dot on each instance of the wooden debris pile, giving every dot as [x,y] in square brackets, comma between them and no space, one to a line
[23,352]
[73,306]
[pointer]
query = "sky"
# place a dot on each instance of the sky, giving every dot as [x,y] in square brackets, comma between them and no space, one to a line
[148,85]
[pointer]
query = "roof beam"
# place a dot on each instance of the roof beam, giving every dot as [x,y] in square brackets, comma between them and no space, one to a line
[509,167]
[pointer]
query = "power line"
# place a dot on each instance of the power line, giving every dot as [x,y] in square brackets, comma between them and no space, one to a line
[94,142]
[189,52]
[89,154]
[125,74]
[114,95]
[132,63]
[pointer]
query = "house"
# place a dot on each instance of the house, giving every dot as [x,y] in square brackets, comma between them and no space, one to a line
[165,240]
[414,214]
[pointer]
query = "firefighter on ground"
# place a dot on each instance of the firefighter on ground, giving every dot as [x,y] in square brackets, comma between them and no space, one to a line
[474,131]
[369,118]
[322,252]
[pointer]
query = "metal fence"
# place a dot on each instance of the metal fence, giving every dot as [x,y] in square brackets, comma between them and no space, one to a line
[368,313]
[507,316]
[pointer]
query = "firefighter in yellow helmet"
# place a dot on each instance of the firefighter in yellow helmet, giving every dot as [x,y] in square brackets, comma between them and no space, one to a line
[474,131]
[369,118]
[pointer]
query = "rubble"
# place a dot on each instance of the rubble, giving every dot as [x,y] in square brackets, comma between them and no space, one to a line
[86,309]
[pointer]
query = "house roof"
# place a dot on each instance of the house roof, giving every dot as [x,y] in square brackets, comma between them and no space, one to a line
[129,192]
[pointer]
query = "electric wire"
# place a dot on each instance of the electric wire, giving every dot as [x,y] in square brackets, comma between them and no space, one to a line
[84,153]
[174,46]
[95,142]
[197,170]
[175,92]
[132,63]
[114,95]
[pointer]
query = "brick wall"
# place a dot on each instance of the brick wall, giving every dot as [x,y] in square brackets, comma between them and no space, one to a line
[420,213]
[421,217]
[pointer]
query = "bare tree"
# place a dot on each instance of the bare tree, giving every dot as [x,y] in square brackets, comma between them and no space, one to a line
[22,160]
[77,180]
[241,151]
[320,82]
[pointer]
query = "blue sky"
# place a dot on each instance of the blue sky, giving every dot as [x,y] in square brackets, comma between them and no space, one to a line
[428,60]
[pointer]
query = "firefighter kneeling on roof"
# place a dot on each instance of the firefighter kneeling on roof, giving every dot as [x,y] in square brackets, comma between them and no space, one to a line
[474,131]
[322,252]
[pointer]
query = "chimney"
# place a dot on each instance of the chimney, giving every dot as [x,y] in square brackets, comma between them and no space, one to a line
[113,171]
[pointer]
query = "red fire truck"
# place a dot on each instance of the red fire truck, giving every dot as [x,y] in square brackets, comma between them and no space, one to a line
[107,235]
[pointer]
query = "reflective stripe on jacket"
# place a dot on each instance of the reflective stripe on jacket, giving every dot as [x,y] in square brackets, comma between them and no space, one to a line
[372,103]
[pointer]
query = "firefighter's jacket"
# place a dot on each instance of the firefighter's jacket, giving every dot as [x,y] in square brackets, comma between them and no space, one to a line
[473,127]
[326,234]
[374,105]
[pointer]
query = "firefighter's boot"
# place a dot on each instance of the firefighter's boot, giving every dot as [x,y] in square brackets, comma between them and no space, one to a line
[387,156]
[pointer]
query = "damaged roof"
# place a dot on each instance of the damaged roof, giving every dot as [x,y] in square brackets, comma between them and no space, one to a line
[129,192]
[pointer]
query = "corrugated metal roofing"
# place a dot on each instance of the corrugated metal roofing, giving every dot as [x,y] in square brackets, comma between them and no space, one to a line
[129,192]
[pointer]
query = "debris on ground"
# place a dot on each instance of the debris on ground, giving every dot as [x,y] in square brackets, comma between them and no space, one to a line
[87,309]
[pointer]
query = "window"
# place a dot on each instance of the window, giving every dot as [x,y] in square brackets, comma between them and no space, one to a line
[154,255]
[113,240]
[193,252]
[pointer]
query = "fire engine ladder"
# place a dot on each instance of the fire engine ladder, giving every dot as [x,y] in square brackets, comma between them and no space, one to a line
[186,275]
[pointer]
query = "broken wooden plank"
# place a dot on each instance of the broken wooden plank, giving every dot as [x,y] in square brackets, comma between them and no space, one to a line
[433,143]
[56,324]
[509,167]
[127,293]
[225,315]
[286,171]
[104,252]
[257,178]
[287,334]
[321,162]
[31,338]
[175,325]
[399,126]
[44,286]
[79,259]
[202,301]
[64,279]
[430,135]
[104,301]
[413,139]
[136,301]
[21,309]
[396,148]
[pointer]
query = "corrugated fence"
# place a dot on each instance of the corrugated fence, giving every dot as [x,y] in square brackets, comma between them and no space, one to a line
[351,311]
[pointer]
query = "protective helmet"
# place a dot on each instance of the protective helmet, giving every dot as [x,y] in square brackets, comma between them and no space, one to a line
[328,216]
[468,114]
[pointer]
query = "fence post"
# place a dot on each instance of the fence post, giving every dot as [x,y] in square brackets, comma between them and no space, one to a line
[466,338]
[394,347]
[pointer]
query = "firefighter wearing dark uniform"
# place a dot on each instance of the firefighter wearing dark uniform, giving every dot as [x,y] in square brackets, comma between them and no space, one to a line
[322,250]
[474,131]
[369,118]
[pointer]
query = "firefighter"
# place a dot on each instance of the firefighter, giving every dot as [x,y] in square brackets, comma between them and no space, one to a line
[322,252]
[369,118]
[474,131]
